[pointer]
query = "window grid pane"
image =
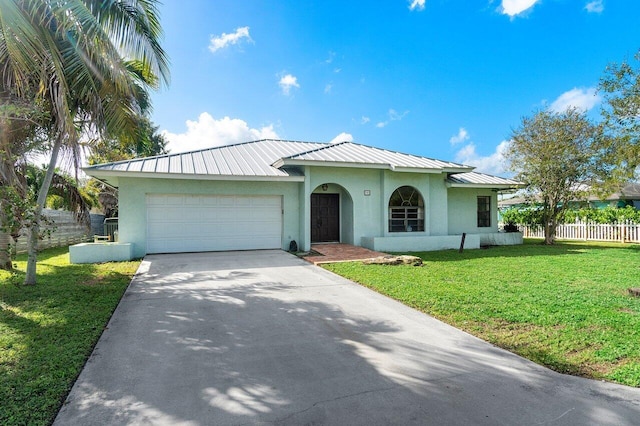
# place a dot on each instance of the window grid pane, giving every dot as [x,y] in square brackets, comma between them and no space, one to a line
[484,212]
[406,219]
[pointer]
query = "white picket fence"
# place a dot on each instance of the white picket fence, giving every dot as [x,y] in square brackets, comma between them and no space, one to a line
[620,232]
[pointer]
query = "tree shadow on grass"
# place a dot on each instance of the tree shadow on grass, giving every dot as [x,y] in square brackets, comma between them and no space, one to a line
[220,346]
[48,332]
[529,249]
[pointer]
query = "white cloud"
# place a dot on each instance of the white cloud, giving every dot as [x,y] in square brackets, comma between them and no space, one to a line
[208,132]
[582,99]
[417,5]
[328,87]
[596,6]
[220,42]
[493,164]
[342,137]
[393,115]
[462,136]
[364,120]
[516,7]
[287,82]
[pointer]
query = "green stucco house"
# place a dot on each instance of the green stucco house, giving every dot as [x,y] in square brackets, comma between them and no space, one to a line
[265,194]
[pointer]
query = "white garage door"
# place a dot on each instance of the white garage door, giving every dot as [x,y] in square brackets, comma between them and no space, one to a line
[188,223]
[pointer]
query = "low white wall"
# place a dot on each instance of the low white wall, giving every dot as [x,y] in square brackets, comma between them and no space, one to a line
[501,239]
[432,243]
[100,252]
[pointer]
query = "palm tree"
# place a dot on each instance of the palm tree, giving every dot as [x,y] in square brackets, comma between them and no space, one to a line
[77,54]
[19,121]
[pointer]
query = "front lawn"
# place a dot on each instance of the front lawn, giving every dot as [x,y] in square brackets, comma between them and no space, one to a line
[564,306]
[48,331]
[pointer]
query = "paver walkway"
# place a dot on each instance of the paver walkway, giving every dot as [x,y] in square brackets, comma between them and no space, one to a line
[338,252]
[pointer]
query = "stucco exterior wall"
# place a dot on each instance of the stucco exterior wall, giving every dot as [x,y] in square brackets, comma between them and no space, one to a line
[369,191]
[364,198]
[416,244]
[133,212]
[364,217]
[463,211]
[439,206]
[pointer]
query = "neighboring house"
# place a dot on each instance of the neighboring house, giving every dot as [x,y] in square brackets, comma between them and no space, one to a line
[267,193]
[629,195]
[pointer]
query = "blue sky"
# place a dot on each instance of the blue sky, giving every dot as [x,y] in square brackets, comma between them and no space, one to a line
[446,79]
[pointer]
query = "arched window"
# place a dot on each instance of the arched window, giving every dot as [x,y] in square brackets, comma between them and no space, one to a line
[406,210]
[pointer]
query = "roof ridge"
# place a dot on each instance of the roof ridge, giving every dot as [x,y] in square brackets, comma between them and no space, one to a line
[325,145]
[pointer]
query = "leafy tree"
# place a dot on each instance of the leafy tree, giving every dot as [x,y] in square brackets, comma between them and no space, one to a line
[88,62]
[145,142]
[64,189]
[558,156]
[620,89]
[20,121]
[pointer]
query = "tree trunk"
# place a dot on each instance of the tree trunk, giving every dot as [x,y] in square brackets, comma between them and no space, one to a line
[5,232]
[550,232]
[34,229]
[5,246]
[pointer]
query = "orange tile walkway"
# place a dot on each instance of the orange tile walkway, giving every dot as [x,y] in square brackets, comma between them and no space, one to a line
[338,252]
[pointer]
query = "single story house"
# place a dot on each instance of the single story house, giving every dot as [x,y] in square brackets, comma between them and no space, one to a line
[265,194]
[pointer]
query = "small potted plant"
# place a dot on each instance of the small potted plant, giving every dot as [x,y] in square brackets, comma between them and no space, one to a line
[510,227]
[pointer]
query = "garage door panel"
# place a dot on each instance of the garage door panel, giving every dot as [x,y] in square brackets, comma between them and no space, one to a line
[183,223]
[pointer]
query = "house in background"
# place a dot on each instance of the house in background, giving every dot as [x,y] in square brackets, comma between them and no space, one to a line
[265,194]
[628,195]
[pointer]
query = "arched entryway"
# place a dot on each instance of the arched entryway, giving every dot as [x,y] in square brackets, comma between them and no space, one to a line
[331,214]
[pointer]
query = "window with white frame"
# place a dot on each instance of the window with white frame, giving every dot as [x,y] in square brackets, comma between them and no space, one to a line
[406,210]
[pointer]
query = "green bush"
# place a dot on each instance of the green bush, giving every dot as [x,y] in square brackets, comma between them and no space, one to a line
[532,215]
[606,215]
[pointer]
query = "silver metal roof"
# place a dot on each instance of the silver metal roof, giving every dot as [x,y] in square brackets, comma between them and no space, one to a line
[481,179]
[269,159]
[355,154]
[243,159]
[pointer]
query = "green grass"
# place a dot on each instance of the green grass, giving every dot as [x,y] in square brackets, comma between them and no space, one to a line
[48,331]
[564,306]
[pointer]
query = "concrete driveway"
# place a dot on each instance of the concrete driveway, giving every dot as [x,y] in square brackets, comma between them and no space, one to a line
[266,338]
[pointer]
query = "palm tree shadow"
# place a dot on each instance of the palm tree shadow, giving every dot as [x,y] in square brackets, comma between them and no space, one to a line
[529,249]
[218,347]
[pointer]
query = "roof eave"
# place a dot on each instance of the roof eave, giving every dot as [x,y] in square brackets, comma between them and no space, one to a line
[456,170]
[378,166]
[483,185]
[319,163]
[113,175]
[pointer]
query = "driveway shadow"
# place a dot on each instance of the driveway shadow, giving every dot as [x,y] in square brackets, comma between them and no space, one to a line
[294,344]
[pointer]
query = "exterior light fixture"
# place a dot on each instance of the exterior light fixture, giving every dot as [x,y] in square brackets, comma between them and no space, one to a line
[325,186]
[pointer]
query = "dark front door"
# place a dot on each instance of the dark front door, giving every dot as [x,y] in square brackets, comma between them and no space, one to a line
[325,217]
